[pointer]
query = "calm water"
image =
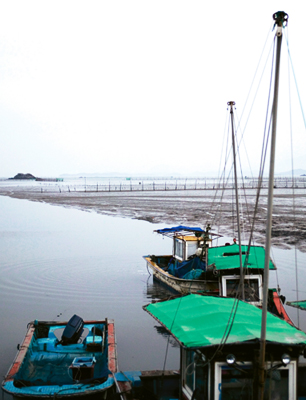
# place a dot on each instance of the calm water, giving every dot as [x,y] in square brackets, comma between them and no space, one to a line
[56,262]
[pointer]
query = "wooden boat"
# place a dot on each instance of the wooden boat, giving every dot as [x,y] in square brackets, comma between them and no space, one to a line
[216,270]
[219,342]
[197,267]
[65,359]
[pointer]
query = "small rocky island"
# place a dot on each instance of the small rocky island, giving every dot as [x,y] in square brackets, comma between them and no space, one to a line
[24,176]
[31,177]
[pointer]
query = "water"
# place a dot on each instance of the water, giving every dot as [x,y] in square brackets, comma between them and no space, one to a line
[56,262]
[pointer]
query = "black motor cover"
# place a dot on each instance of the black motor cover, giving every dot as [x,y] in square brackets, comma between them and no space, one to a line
[73,330]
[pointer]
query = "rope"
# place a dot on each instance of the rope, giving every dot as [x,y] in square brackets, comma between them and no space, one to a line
[296,85]
[256,70]
[263,158]
[215,203]
[293,186]
[168,341]
[264,68]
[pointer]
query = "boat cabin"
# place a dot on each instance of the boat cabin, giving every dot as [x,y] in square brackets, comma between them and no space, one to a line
[219,346]
[187,241]
[224,262]
[186,246]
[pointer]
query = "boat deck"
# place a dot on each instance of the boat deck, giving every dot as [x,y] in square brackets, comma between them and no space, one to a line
[47,363]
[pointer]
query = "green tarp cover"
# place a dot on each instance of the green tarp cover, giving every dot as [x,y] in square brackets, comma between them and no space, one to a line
[200,321]
[298,304]
[227,257]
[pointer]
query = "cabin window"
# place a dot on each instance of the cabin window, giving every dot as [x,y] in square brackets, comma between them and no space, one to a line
[231,383]
[191,248]
[195,375]
[179,249]
[252,287]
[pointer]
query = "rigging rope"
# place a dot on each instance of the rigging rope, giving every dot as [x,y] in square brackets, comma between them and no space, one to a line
[263,158]
[256,92]
[268,35]
[214,220]
[293,185]
[167,347]
[296,85]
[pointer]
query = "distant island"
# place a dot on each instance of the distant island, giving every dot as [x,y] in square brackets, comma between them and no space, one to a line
[31,177]
[24,176]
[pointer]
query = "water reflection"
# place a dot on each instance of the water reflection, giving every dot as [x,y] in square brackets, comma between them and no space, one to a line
[164,333]
[156,290]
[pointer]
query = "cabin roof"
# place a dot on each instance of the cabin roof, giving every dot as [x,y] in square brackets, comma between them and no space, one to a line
[180,229]
[227,257]
[200,321]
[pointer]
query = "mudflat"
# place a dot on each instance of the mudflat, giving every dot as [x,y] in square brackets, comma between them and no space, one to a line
[189,207]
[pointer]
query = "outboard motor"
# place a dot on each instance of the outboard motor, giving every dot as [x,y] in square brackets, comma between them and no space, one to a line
[72,331]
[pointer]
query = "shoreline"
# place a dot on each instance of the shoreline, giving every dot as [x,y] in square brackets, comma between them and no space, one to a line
[193,208]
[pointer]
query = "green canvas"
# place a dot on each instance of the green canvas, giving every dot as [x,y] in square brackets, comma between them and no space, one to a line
[297,304]
[200,321]
[227,257]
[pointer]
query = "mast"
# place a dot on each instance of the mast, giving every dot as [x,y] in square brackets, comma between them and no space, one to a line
[280,19]
[231,104]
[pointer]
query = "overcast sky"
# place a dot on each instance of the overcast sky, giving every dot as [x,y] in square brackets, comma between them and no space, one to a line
[137,86]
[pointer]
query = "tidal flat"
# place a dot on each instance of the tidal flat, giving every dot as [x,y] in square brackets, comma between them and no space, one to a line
[189,207]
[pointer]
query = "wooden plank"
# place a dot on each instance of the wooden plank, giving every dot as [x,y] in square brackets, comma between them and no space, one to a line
[21,354]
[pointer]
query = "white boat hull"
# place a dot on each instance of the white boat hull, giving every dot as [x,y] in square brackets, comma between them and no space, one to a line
[180,285]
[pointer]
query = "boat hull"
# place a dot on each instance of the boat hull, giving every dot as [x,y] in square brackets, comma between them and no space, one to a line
[180,285]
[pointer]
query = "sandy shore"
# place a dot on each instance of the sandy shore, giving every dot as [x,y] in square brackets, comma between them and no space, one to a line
[194,208]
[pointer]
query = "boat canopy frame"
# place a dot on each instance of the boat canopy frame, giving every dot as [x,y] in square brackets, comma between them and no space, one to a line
[182,230]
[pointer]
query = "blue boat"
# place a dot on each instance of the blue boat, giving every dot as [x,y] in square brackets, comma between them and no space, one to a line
[66,359]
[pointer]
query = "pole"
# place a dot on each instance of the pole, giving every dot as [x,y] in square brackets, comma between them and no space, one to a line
[231,104]
[280,20]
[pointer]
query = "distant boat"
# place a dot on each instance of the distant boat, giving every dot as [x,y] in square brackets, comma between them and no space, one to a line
[65,359]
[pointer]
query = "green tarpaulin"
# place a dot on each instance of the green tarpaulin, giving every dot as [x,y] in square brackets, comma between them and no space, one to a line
[200,321]
[297,304]
[227,257]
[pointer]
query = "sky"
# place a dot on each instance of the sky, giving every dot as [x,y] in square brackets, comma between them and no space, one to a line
[137,86]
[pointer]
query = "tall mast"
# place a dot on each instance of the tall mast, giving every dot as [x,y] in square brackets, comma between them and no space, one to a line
[280,19]
[231,104]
